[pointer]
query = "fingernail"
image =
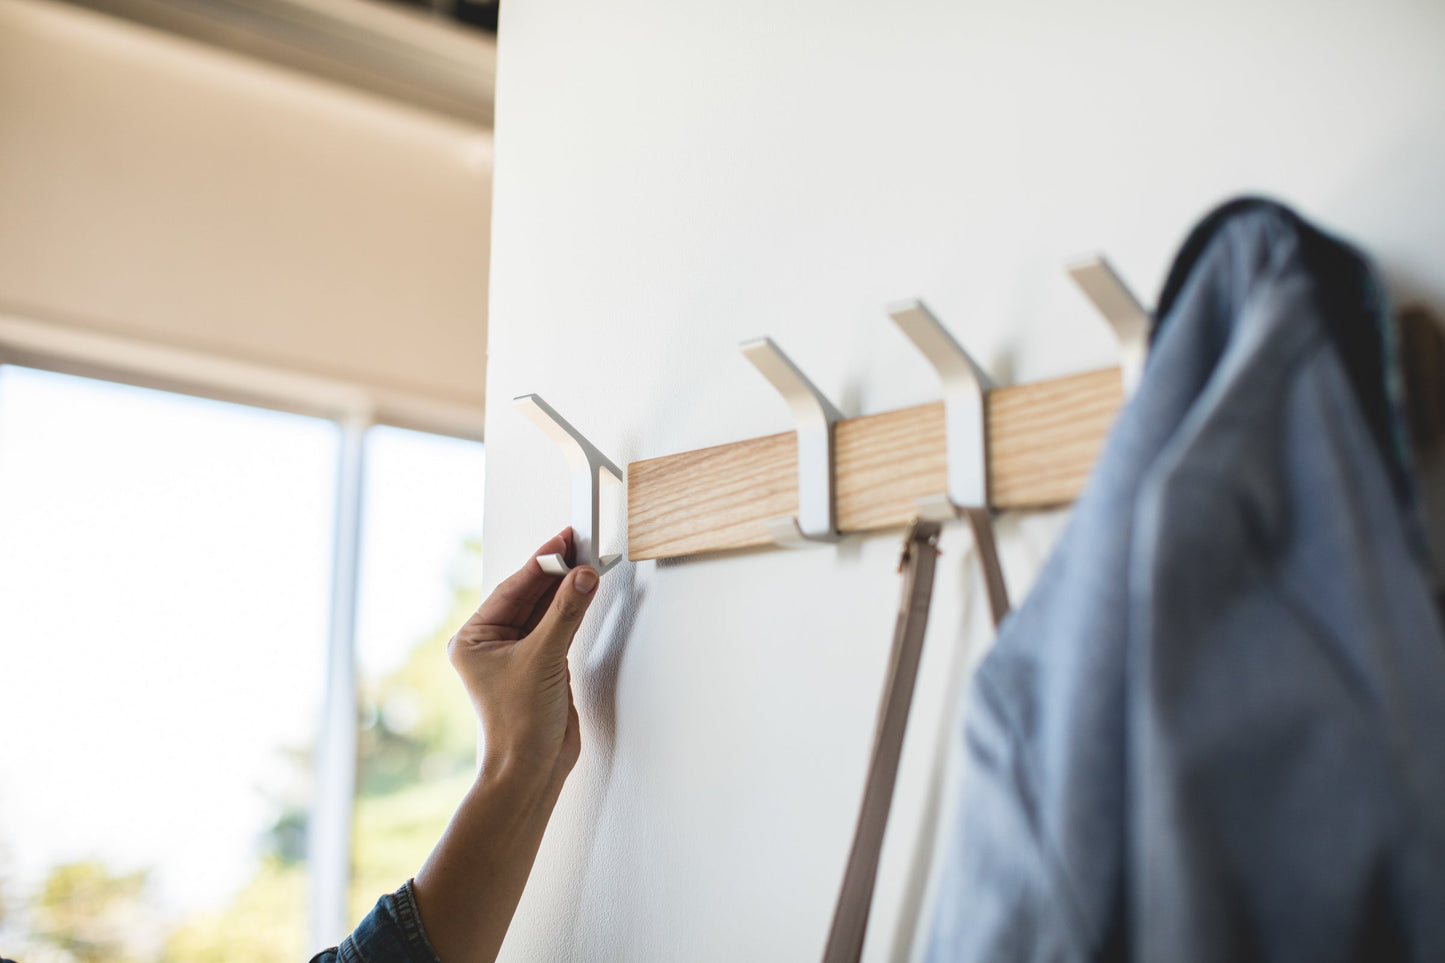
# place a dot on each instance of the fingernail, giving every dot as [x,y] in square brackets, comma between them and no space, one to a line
[585,581]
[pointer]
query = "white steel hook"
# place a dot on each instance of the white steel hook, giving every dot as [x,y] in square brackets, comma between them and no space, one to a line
[815,416]
[590,470]
[965,425]
[965,418]
[1129,319]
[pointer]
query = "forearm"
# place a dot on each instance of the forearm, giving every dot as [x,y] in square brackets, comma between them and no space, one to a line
[512,658]
[471,883]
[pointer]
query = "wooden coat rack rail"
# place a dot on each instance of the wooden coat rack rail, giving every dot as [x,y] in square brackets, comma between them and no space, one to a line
[1042,438]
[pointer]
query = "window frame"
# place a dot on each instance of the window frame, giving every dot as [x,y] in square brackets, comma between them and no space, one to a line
[355,411]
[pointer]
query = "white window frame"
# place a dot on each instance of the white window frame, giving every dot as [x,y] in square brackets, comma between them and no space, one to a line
[354,410]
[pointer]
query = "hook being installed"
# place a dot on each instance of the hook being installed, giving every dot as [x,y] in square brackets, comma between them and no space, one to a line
[965,386]
[1112,298]
[590,469]
[815,416]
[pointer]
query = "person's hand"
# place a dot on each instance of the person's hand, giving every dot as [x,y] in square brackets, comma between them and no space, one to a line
[512,658]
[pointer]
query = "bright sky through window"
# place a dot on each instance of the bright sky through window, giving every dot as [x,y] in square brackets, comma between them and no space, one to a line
[164,584]
[165,566]
[423,497]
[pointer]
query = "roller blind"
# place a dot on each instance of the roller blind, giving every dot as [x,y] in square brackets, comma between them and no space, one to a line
[161,193]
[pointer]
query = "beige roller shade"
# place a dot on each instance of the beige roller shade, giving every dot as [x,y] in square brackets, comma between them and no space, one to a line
[177,201]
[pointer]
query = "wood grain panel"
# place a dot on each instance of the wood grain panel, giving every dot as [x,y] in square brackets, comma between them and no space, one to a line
[1043,439]
[710,499]
[1045,436]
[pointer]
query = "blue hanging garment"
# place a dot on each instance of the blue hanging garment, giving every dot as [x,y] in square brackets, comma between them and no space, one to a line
[1215,730]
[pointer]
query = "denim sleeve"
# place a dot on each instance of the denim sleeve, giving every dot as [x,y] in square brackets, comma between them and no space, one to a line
[391,933]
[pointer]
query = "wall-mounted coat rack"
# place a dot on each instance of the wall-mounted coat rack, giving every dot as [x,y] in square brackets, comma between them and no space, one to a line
[982,449]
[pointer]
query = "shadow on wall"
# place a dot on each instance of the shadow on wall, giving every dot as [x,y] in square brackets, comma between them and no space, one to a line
[599,663]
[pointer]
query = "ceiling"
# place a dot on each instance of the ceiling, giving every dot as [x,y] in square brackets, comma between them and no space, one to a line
[437,55]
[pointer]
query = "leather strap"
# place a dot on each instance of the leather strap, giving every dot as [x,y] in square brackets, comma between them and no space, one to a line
[981,521]
[920,555]
[850,917]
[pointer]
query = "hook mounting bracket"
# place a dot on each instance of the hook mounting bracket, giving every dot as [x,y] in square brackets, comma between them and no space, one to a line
[965,384]
[815,417]
[590,470]
[1131,323]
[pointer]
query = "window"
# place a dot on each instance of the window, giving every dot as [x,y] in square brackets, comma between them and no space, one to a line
[419,581]
[166,568]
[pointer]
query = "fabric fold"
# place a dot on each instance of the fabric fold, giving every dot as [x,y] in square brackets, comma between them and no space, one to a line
[1213,730]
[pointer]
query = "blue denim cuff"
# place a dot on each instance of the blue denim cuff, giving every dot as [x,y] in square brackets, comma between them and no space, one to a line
[391,933]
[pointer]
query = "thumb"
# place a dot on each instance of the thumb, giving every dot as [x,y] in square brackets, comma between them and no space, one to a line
[553,635]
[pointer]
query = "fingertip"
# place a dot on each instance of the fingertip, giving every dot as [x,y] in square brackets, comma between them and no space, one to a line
[574,597]
[559,544]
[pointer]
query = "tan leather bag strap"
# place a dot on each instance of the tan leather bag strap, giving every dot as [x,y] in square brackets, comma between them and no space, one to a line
[850,918]
[920,555]
[981,521]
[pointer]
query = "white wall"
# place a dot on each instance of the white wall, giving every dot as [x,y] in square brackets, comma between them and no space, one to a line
[675,177]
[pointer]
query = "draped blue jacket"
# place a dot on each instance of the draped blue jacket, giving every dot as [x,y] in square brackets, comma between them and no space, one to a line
[1215,730]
